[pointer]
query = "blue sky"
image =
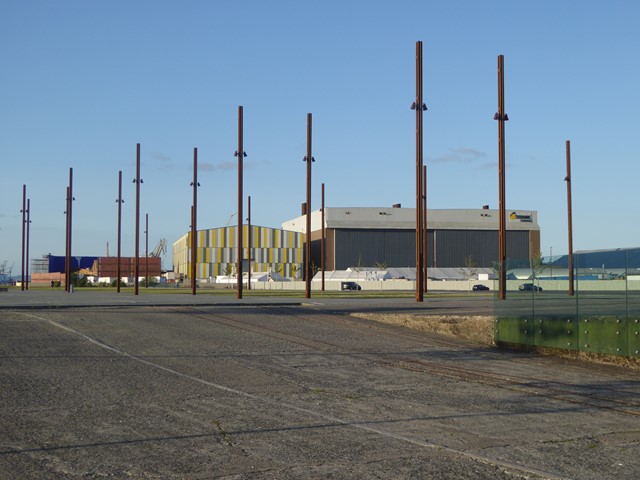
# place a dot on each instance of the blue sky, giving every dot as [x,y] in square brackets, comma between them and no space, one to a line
[83,81]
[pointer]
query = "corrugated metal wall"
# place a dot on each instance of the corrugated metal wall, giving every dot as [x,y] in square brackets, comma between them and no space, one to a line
[453,246]
[396,248]
[271,249]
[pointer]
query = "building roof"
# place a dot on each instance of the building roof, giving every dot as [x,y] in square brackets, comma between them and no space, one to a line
[611,258]
[405,218]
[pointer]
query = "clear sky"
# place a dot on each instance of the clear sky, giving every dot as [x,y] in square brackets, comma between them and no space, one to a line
[81,82]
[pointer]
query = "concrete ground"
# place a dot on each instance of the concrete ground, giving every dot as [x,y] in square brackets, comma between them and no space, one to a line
[184,387]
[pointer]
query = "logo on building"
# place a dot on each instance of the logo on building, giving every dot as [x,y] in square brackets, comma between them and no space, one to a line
[522,218]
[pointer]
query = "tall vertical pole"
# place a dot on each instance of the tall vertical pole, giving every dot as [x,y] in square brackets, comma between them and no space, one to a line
[249,242]
[66,245]
[192,247]
[424,225]
[194,224]
[569,219]
[502,230]
[26,258]
[24,219]
[419,219]
[118,271]
[322,241]
[240,154]
[307,259]
[146,251]
[136,266]
[70,226]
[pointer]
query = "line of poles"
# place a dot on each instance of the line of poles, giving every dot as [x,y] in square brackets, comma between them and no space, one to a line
[421,208]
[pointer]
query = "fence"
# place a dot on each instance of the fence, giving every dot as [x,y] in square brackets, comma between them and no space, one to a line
[603,315]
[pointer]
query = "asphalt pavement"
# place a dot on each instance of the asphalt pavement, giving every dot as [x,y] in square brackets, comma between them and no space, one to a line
[283,388]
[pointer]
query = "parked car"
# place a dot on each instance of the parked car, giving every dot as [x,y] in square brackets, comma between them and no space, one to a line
[529,287]
[477,288]
[351,286]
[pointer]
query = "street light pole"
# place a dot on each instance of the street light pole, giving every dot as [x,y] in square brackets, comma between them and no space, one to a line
[69,229]
[424,225]
[249,242]
[419,107]
[120,201]
[502,117]
[322,242]
[194,223]
[307,261]
[146,252]
[137,181]
[26,258]
[569,218]
[240,153]
[66,245]
[24,219]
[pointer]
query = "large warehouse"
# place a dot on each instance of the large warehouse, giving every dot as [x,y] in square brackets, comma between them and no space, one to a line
[386,236]
[270,250]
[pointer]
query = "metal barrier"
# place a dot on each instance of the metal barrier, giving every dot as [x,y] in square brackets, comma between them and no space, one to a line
[602,317]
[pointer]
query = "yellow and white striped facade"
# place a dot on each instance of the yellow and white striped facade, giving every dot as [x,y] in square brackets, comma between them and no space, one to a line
[276,250]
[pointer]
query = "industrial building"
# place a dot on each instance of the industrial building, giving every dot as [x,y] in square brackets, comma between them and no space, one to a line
[367,237]
[267,249]
[613,258]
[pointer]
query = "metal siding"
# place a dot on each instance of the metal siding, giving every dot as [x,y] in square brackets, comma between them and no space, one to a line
[430,256]
[454,246]
[396,248]
[368,247]
[518,245]
[400,248]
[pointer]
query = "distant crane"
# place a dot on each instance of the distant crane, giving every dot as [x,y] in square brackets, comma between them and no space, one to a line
[4,270]
[231,218]
[5,275]
[161,248]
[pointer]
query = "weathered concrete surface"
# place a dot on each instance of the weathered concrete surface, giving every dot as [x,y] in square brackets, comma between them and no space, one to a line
[296,392]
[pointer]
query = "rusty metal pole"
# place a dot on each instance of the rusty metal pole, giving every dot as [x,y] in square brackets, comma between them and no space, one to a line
[70,226]
[146,251]
[569,219]
[26,258]
[501,116]
[249,242]
[307,259]
[191,243]
[240,154]
[424,226]
[66,245]
[322,241]
[118,271]
[419,219]
[194,224]
[136,265]
[24,219]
